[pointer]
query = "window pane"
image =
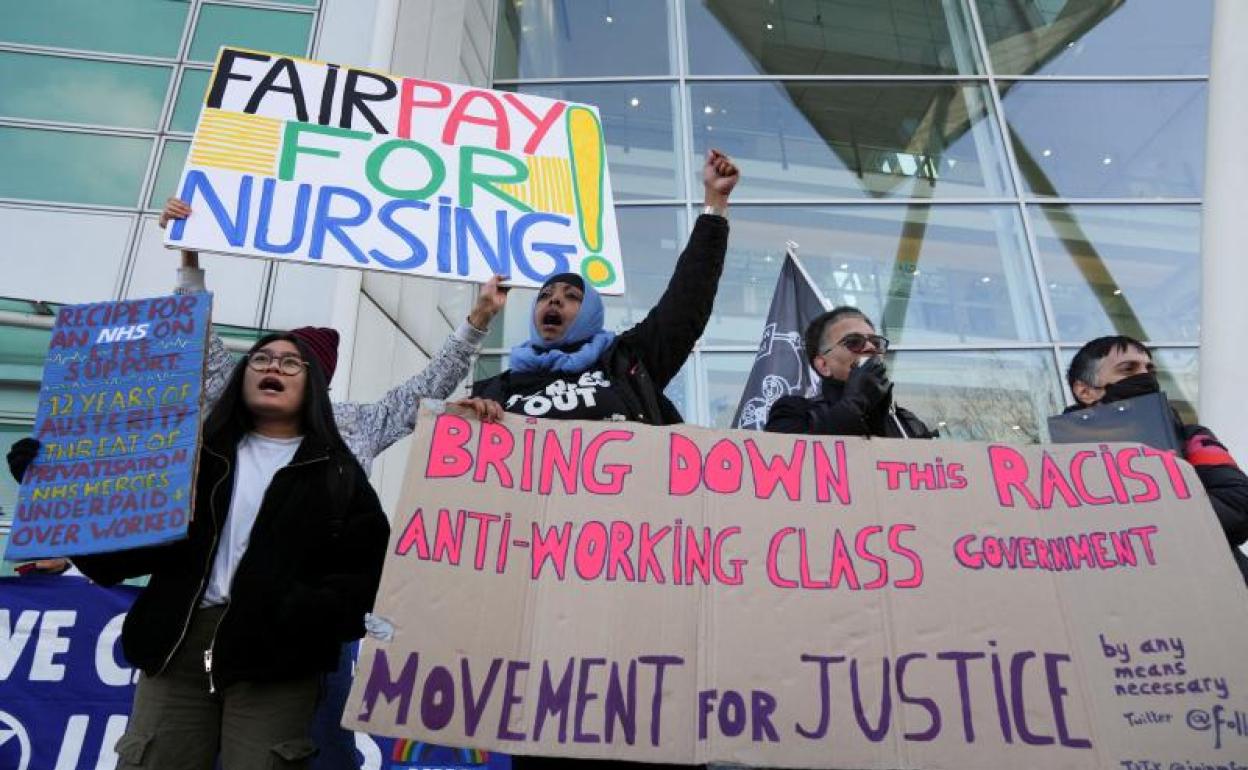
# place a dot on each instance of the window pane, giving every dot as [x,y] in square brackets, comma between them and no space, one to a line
[190,100]
[22,353]
[82,90]
[828,37]
[488,365]
[989,395]
[650,238]
[817,140]
[924,274]
[70,167]
[21,398]
[43,250]
[143,27]
[276,31]
[1132,270]
[586,38]
[726,374]
[680,391]
[1117,140]
[168,173]
[1098,37]
[303,295]
[1178,371]
[639,126]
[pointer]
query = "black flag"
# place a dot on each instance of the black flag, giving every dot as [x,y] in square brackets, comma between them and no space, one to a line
[781,368]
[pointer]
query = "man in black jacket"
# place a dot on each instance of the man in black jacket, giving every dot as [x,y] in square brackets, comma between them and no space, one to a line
[856,397]
[1111,369]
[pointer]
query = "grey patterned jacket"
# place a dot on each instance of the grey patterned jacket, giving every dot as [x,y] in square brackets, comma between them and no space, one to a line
[367,429]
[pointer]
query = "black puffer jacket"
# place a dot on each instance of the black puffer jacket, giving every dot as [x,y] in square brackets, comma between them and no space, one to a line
[829,414]
[1226,485]
[643,360]
[310,571]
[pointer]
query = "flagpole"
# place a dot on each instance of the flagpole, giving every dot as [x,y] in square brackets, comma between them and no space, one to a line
[790,250]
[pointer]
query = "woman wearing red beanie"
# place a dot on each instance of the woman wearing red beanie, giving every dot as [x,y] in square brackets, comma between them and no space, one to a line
[282,559]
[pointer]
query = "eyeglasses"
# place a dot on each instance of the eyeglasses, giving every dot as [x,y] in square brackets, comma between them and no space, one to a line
[856,343]
[289,365]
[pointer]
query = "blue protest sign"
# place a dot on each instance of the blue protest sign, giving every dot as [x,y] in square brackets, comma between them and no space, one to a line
[65,689]
[118,419]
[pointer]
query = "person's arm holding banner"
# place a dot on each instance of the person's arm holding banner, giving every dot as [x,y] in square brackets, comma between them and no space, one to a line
[217,359]
[368,428]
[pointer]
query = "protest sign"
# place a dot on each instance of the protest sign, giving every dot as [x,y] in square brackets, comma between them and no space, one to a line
[684,595]
[303,160]
[118,422]
[65,688]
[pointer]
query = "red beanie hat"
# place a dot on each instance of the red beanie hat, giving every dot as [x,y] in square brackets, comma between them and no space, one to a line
[322,343]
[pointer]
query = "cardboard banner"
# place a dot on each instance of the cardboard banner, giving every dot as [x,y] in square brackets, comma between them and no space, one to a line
[119,423]
[685,595]
[309,161]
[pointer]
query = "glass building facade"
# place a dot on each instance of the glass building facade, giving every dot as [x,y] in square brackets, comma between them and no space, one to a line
[993,181]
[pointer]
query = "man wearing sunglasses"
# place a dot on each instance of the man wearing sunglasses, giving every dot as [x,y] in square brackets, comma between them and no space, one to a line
[856,397]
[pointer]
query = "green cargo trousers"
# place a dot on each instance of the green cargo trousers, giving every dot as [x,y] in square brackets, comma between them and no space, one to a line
[176,724]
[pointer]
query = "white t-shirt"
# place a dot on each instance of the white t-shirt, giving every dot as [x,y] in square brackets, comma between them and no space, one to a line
[259,458]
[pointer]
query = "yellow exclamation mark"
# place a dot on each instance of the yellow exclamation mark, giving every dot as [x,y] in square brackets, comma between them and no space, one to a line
[585,144]
[588,155]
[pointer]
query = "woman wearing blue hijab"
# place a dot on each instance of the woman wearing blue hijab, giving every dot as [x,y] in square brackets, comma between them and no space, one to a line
[571,368]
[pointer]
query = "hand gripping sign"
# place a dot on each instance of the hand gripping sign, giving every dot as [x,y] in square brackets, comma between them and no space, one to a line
[310,161]
[677,594]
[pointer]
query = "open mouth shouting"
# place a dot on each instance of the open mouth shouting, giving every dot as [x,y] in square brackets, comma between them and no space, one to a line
[551,322]
[271,384]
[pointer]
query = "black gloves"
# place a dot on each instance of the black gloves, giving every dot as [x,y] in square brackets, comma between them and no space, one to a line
[868,384]
[21,455]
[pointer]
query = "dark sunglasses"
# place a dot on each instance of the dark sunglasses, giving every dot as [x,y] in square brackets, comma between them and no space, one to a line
[856,343]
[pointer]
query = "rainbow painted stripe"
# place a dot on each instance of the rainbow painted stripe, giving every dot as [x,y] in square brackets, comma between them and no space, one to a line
[411,751]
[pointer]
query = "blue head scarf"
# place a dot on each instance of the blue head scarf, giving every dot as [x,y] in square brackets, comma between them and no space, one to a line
[579,347]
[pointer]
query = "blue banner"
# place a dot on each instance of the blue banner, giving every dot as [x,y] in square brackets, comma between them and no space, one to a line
[118,419]
[65,688]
